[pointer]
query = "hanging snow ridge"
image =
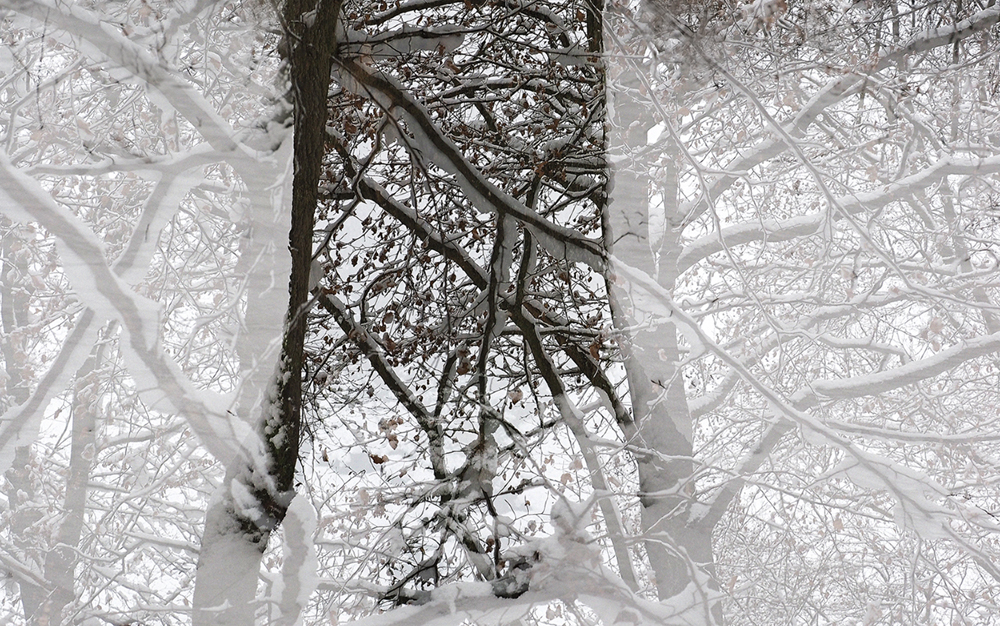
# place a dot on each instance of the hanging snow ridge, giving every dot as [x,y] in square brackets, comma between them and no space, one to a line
[442,39]
[299,573]
[434,147]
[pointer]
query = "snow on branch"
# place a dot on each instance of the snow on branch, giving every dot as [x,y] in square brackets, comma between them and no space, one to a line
[376,356]
[946,35]
[915,371]
[101,41]
[833,92]
[770,230]
[564,571]
[912,490]
[161,380]
[408,217]
[19,424]
[443,38]
[434,147]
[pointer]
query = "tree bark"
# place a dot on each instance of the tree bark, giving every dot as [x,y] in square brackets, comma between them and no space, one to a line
[259,485]
[679,553]
[61,559]
[21,491]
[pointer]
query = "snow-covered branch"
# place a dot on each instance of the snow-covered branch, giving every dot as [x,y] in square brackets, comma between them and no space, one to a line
[771,230]
[434,147]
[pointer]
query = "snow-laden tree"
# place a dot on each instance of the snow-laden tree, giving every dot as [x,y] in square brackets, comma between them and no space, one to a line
[659,313]
[803,224]
[762,148]
[462,157]
[145,280]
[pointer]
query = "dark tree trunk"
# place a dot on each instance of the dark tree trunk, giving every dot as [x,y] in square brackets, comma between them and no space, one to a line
[257,491]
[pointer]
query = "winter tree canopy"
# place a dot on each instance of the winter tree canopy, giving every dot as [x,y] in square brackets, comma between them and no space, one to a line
[499,312]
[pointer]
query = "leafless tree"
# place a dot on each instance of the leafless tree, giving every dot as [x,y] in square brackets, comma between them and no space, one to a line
[659,313]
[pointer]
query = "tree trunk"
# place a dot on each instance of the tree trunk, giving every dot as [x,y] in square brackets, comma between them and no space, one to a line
[259,484]
[21,493]
[61,559]
[679,553]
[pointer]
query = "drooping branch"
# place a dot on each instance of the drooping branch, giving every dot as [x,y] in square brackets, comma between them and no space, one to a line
[830,94]
[570,415]
[907,487]
[770,230]
[427,232]
[435,147]
[376,356]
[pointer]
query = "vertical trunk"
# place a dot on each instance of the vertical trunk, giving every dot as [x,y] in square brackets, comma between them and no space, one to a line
[229,560]
[14,302]
[663,424]
[679,553]
[43,601]
[25,513]
[258,486]
[61,559]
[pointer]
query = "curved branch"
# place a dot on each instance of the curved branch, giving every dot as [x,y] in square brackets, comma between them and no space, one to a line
[435,147]
[784,230]
[161,380]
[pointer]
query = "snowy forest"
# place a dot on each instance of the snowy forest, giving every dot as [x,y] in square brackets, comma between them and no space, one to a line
[487,312]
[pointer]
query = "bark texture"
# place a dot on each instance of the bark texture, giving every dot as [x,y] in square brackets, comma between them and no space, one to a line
[679,551]
[258,489]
